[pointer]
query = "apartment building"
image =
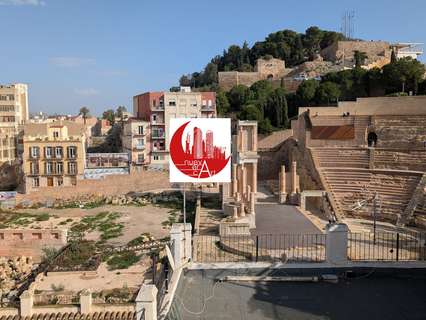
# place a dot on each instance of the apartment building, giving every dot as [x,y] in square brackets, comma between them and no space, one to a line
[13,113]
[158,108]
[135,141]
[53,155]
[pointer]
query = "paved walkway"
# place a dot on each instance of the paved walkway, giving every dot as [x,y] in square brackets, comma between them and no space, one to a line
[282,219]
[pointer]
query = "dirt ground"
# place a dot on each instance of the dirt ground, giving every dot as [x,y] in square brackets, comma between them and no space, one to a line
[104,279]
[136,220]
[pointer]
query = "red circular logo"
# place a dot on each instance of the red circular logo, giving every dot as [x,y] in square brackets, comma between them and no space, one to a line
[199,159]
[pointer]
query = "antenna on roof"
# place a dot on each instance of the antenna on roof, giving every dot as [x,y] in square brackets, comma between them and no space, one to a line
[347,27]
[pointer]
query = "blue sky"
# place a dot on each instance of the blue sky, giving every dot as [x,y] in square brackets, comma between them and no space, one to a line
[99,53]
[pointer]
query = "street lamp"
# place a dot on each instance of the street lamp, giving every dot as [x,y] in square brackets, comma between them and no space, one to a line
[363,203]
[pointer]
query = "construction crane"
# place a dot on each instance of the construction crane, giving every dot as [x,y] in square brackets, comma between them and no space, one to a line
[361,204]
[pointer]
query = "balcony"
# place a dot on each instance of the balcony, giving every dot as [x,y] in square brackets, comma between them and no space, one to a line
[157,108]
[206,108]
[159,150]
[161,136]
[139,147]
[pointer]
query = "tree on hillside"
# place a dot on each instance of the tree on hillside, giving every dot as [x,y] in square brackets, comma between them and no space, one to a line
[120,114]
[109,115]
[306,92]
[276,108]
[393,56]
[222,103]
[238,96]
[359,58]
[403,75]
[327,93]
[251,112]
[84,112]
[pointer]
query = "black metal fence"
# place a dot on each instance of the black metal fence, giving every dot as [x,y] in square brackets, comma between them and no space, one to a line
[387,246]
[382,246]
[266,247]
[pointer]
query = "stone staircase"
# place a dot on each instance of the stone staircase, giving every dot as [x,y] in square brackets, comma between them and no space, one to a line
[341,157]
[209,221]
[348,186]
[416,204]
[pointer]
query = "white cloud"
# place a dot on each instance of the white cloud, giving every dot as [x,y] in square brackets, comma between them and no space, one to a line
[86,92]
[70,62]
[22,3]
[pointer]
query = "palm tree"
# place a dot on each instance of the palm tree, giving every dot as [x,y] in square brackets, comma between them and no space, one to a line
[84,111]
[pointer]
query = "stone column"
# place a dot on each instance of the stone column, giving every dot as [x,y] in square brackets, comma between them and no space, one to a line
[252,202]
[146,302]
[242,209]
[241,139]
[248,193]
[187,229]
[176,237]
[254,177]
[283,193]
[26,304]
[243,181]
[234,179]
[254,139]
[336,245]
[86,302]
[293,177]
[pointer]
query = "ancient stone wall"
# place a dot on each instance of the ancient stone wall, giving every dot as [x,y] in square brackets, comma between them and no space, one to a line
[110,185]
[8,177]
[344,50]
[18,242]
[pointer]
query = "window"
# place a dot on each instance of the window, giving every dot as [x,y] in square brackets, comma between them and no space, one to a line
[172,103]
[3,97]
[156,157]
[49,167]
[58,152]
[72,152]
[141,158]
[72,168]
[210,103]
[48,152]
[59,168]
[35,152]
[55,134]
[141,142]
[34,168]
[60,181]
[36,182]
[140,130]
[204,103]
[193,103]
[154,117]
[11,97]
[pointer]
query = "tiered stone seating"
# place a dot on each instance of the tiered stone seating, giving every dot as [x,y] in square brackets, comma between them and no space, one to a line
[348,185]
[341,157]
[400,159]
[420,212]
[400,131]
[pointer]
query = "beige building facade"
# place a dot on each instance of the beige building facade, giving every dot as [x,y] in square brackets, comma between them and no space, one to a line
[13,114]
[54,154]
[158,108]
[135,141]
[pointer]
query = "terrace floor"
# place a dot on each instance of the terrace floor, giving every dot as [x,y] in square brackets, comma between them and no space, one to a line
[371,294]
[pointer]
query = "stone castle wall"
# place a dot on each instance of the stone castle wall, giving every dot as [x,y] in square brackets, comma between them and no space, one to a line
[273,69]
[344,50]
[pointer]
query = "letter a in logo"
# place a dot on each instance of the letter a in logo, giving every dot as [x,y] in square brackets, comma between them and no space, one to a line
[204,168]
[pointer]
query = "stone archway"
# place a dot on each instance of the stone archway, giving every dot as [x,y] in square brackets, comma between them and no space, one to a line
[270,77]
